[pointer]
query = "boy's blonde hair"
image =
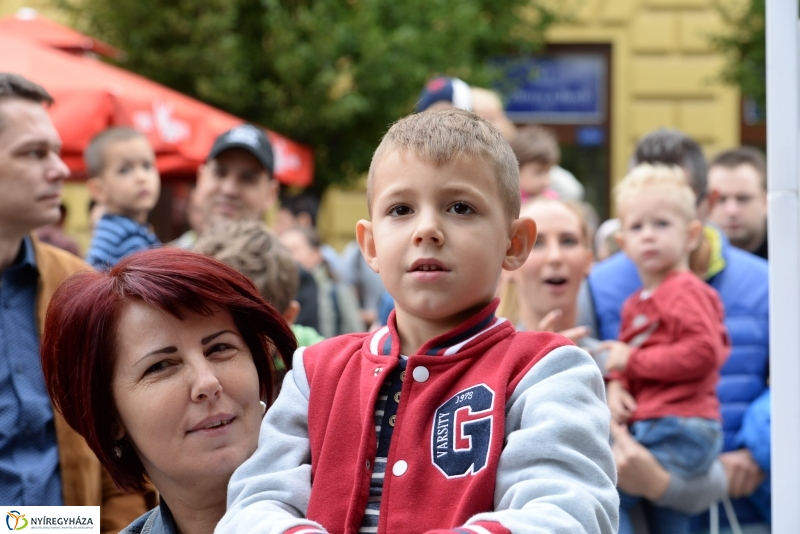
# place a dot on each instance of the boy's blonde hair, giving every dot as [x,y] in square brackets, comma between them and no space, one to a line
[439,136]
[253,250]
[665,180]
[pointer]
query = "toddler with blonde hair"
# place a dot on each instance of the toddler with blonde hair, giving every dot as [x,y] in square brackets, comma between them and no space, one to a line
[664,369]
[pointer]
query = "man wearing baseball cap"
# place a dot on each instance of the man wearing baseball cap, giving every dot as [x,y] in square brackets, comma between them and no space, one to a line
[237,183]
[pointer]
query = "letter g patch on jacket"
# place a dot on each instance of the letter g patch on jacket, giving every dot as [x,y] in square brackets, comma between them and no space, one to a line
[462,432]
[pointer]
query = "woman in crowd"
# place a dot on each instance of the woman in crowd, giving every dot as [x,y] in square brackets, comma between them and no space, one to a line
[546,287]
[163,364]
[549,296]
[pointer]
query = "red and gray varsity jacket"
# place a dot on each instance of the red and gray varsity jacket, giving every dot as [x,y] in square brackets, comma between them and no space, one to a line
[497,431]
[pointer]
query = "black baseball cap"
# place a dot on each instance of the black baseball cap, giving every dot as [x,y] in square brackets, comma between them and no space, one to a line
[250,138]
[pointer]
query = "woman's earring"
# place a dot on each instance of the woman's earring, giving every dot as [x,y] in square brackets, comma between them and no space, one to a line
[263,407]
[118,443]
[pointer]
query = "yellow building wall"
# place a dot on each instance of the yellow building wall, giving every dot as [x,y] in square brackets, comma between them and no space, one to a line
[663,70]
[339,211]
[75,198]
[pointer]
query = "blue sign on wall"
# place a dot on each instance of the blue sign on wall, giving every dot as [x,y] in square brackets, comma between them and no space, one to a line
[557,89]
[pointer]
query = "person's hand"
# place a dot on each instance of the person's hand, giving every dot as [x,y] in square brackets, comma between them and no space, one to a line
[744,474]
[618,355]
[620,402]
[638,471]
[548,324]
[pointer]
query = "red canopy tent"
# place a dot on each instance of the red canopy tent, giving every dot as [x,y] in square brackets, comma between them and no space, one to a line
[91,95]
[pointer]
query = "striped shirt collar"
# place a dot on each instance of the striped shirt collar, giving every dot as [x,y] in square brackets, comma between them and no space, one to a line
[386,341]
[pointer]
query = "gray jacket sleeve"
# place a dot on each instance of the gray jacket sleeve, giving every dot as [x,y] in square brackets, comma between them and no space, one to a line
[695,495]
[269,492]
[556,471]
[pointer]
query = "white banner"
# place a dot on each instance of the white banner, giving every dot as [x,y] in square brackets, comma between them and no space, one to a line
[55,519]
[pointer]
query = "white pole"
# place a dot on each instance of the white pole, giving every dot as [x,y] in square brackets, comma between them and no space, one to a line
[783,123]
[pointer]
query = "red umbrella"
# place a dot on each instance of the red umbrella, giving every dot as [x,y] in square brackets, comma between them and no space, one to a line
[91,96]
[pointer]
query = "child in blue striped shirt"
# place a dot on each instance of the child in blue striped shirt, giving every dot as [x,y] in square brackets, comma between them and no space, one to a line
[124,179]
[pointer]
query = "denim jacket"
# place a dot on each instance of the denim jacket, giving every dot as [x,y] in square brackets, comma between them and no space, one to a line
[156,521]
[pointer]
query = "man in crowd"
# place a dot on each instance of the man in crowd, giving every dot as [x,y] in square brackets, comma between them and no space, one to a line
[237,183]
[237,179]
[43,462]
[300,211]
[742,282]
[739,176]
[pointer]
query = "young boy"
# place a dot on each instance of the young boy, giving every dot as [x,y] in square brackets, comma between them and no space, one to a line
[447,419]
[250,248]
[537,151]
[124,180]
[665,367]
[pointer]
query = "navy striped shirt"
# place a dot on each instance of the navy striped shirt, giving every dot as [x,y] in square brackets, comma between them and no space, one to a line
[116,236]
[385,415]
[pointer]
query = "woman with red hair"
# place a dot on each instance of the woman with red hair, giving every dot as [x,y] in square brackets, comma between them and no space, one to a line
[164,365]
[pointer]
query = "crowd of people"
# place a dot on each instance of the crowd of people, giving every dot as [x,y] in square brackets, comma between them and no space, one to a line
[437,386]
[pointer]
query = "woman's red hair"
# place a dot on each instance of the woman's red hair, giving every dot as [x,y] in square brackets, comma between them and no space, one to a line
[79,342]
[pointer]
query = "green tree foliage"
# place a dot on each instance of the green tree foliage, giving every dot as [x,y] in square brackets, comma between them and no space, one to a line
[329,73]
[745,47]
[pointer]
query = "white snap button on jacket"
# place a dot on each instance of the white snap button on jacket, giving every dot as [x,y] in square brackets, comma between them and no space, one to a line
[420,374]
[399,468]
